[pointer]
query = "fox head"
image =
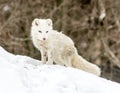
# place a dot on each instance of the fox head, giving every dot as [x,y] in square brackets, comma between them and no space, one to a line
[41,28]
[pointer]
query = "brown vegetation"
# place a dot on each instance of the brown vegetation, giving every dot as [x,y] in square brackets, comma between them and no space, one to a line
[96,36]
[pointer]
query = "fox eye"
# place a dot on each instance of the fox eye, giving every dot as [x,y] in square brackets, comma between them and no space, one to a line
[46,31]
[40,31]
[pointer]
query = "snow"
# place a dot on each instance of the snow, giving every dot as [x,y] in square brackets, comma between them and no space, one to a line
[6,8]
[22,74]
[102,15]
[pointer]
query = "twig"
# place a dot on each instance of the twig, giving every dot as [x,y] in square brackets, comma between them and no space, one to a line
[19,39]
[55,9]
[116,19]
[110,54]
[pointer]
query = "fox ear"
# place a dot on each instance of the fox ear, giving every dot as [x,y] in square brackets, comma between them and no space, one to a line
[49,22]
[35,22]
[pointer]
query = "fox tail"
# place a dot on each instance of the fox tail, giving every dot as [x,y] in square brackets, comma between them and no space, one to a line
[81,63]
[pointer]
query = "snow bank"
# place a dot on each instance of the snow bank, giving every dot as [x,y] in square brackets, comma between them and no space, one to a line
[22,74]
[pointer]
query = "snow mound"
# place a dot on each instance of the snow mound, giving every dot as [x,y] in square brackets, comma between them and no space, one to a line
[22,74]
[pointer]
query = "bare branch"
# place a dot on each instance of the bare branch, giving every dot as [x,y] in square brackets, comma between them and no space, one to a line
[110,54]
[19,39]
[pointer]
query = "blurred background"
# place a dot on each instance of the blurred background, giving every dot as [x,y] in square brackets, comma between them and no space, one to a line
[94,26]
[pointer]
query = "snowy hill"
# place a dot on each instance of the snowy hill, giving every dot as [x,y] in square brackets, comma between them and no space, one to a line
[22,74]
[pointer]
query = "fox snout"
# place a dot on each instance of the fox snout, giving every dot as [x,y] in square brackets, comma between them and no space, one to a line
[44,38]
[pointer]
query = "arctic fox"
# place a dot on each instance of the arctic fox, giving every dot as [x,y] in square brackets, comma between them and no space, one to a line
[58,47]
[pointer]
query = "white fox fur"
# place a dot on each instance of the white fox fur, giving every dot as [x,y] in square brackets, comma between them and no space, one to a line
[58,47]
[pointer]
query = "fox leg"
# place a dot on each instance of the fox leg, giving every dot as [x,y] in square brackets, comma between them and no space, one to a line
[50,60]
[43,55]
[68,62]
[64,60]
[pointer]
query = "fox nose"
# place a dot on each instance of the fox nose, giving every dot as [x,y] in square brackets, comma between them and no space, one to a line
[44,38]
